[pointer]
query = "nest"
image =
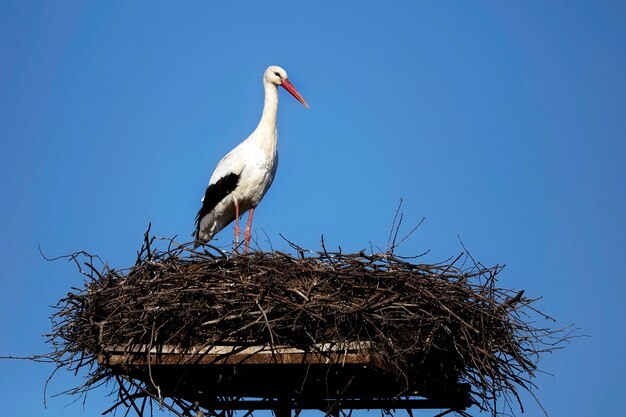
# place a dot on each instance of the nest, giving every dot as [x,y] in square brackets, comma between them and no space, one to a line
[435,324]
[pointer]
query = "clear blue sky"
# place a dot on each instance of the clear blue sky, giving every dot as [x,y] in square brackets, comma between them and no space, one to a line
[500,122]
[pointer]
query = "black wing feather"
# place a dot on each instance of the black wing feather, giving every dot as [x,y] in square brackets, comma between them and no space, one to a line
[214,194]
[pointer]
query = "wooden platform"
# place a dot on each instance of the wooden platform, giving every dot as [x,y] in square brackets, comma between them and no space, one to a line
[351,377]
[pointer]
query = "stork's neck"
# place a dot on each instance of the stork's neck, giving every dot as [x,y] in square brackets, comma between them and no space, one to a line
[266,130]
[270,107]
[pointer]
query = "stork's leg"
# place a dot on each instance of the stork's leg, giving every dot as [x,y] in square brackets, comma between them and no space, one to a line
[236,223]
[246,234]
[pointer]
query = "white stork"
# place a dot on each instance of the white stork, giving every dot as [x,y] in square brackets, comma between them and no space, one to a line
[244,175]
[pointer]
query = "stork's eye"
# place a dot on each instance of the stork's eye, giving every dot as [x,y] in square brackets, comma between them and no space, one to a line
[277,74]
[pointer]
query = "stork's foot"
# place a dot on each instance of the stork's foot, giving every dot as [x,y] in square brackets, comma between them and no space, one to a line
[246,239]
[237,232]
[246,235]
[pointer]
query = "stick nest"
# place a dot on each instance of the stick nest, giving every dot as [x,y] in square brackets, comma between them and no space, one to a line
[446,319]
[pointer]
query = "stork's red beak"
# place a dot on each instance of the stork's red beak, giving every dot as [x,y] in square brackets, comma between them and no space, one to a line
[292,90]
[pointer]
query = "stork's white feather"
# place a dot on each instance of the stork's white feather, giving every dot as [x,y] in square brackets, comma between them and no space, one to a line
[245,174]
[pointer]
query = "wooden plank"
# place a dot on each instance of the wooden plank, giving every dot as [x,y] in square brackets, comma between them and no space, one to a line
[354,372]
[223,348]
[324,354]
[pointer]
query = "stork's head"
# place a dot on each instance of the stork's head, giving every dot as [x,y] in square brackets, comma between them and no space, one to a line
[278,76]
